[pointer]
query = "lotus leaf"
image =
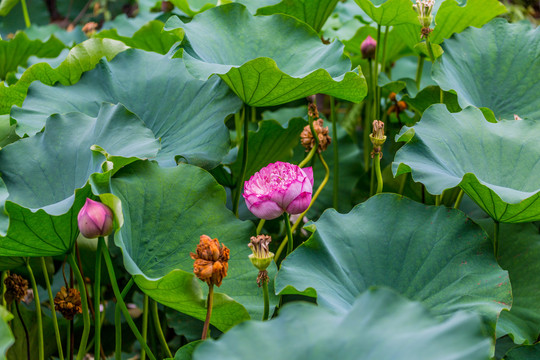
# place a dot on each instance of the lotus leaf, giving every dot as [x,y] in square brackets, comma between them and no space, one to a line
[430,254]
[451,149]
[251,59]
[191,126]
[304,331]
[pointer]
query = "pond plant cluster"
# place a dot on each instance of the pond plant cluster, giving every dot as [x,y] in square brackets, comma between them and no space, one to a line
[270,179]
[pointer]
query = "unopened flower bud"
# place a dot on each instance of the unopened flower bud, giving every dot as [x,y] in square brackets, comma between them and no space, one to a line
[377,137]
[68,302]
[16,288]
[516,117]
[95,219]
[211,261]
[368,47]
[323,135]
[262,256]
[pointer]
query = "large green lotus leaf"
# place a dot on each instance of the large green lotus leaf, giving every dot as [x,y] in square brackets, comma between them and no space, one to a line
[312,12]
[496,164]
[248,53]
[149,37]
[305,331]
[15,52]
[6,6]
[524,353]
[497,67]
[270,143]
[430,254]
[69,38]
[43,175]
[519,253]
[389,12]
[81,58]
[185,113]
[6,337]
[165,211]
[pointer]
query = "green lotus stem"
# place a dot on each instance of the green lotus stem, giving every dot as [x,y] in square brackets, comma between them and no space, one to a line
[430,50]
[240,181]
[84,300]
[69,353]
[53,311]
[458,200]
[312,128]
[437,200]
[159,330]
[120,301]
[3,287]
[372,179]
[266,300]
[209,305]
[97,302]
[383,60]
[367,126]
[377,101]
[402,183]
[38,310]
[313,199]
[25,14]
[146,310]
[441,95]
[290,241]
[118,322]
[335,182]
[24,328]
[377,167]
[308,158]
[260,226]
[419,70]
[496,239]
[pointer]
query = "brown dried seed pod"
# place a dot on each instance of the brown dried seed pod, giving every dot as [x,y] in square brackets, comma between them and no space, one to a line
[308,141]
[68,302]
[16,288]
[211,260]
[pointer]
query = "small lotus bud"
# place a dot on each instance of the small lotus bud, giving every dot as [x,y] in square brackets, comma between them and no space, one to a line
[261,257]
[16,288]
[323,134]
[368,47]
[68,302]
[95,219]
[516,117]
[211,260]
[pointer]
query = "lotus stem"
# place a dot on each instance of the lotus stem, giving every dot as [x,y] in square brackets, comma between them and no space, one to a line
[496,239]
[419,70]
[266,300]
[120,301]
[289,237]
[97,301]
[145,314]
[430,50]
[209,305]
[24,328]
[402,183]
[376,101]
[84,301]
[308,158]
[260,226]
[159,330]
[240,181]
[53,311]
[377,168]
[25,14]
[118,323]
[41,353]
[335,182]
[458,200]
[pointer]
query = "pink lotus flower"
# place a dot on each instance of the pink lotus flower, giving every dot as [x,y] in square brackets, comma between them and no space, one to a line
[95,219]
[277,188]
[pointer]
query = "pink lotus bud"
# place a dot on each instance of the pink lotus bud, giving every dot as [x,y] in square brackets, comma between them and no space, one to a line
[95,219]
[368,48]
[277,188]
